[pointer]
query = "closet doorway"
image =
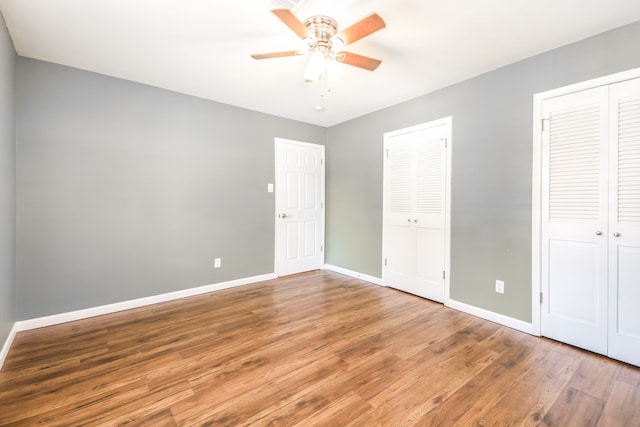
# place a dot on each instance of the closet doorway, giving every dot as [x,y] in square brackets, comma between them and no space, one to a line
[416,218]
[586,253]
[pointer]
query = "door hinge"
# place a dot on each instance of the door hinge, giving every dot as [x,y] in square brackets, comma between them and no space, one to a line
[321,205]
[321,248]
[445,142]
[321,162]
[387,153]
[443,275]
[541,298]
[385,261]
[542,125]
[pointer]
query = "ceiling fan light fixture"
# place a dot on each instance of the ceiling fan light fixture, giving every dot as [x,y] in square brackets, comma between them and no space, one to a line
[319,35]
[306,44]
[316,66]
[337,44]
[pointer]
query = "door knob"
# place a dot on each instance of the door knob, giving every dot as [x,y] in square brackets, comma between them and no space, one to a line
[415,220]
[284,215]
[616,234]
[598,233]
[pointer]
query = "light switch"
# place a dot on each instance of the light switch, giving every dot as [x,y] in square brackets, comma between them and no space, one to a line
[270,188]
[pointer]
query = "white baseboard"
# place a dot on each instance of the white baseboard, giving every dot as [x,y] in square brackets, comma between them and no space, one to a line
[365,277]
[457,305]
[490,315]
[7,344]
[55,319]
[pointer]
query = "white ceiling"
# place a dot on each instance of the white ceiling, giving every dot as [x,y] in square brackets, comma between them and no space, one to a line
[202,47]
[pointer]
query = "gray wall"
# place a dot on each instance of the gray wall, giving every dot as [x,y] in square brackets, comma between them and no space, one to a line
[127,191]
[7,184]
[491,171]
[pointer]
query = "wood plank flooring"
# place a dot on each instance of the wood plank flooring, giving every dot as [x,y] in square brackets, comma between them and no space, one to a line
[313,349]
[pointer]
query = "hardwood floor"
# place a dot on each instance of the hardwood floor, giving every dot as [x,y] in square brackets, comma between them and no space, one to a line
[313,349]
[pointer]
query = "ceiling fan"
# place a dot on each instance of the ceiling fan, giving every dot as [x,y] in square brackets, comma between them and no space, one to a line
[321,37]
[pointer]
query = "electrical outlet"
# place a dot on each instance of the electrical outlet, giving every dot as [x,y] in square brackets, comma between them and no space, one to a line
[500,286]
[217,263]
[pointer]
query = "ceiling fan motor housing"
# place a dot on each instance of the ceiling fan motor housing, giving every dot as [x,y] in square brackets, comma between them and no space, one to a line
[321,30]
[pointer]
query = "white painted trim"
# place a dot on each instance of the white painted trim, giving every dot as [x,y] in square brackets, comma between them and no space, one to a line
[7,344]
[447,213]
[136,303]
[536,217]
[278,184]
[589,84]
[536,182]
[351,273]
[492,316]
[419,127]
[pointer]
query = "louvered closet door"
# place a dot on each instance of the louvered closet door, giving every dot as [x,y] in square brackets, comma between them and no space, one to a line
[415,219]
[624,223]
[574,219]
[430,212]
[399,233]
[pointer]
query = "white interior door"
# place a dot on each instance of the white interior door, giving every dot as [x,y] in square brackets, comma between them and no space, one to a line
[415,214]
[624,222]
[574,219]
[299,207]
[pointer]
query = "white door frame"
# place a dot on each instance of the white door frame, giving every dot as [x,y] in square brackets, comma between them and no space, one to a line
[447,226]
[536,203]
[277,193]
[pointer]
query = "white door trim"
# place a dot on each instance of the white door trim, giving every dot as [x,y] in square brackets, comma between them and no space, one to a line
[447,230]
[536,182]
[278,185]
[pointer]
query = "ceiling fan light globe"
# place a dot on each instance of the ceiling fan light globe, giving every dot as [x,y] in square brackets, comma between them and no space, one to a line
[316,66]
[337,43]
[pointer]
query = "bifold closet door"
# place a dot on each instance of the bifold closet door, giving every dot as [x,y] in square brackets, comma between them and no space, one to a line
[574,219]
[590,266]
[415,213]
[624,222]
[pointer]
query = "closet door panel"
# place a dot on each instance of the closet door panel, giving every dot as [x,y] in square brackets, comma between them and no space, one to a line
[430,177]
[401,260]
[429,244]
[400,214]
[574,219]
[624,222]
[574,277]
[430,211]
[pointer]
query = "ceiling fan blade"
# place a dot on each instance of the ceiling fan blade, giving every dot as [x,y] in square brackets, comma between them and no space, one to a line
[363,28]
[291,21]
[360,61]
[275,54]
